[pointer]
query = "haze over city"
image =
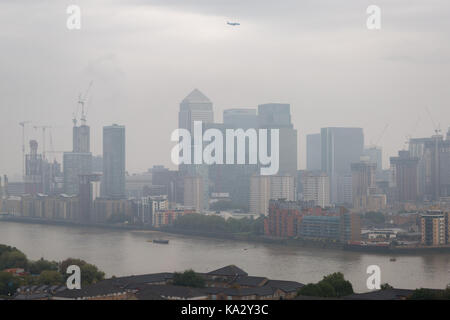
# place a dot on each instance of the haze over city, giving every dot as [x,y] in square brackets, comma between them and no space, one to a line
[224,150]
[144,57]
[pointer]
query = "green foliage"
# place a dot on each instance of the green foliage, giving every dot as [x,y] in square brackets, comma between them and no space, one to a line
[333,285]
[50,278]
[446,294]
[8,283]
[429,294]
[41,271]
[216,224]
[36,267]
[224,205]
[89,272]
[386,286]
[341,286]
[310,289]
[188,278]
[12,258]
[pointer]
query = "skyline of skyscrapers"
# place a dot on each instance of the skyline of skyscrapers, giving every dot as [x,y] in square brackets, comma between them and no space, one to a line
[331,155]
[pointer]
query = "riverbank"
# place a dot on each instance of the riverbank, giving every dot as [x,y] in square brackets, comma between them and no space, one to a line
[244,237]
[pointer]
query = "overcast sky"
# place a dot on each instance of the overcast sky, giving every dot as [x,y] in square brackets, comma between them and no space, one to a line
[144,57]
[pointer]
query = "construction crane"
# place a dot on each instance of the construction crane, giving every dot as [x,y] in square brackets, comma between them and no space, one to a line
[52,150]
[82,102]
[437,129]
[377,141]
[23,124]
[44,128]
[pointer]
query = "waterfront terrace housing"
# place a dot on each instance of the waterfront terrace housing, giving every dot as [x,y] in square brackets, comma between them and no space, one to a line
[227,283]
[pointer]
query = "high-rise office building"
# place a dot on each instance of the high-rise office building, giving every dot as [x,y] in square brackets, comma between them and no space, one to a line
[340,147]
[81,139]
[113,181]
[363,182]
[433,167]
[79,161]
[171,180]
[34,170]
[240,118]
[75,165]
[405,177]
[278,116]
[274,115]
[313,152]
[88,192]
[196,107]
[234,179]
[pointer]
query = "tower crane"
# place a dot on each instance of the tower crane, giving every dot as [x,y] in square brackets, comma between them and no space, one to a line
[44,128]
[436,128]
[82,101]
[23,124]
[377,141]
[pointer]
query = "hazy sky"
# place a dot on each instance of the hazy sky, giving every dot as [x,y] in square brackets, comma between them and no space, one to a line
[146,56]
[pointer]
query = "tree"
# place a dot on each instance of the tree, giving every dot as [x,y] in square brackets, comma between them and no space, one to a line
[8,283]
[386,286]
[333,285]
[188,278]
[341,286]
[36,267]
[310,289]
[13,259]
[424,294]
[446,294]
[216,224]
[50,277]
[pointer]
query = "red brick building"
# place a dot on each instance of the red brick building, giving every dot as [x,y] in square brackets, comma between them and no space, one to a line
[283,220]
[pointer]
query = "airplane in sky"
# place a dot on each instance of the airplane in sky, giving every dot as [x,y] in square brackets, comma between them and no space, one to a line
[233,23]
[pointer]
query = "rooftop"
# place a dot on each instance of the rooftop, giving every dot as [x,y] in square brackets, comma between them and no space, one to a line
[230,270]
[196,97]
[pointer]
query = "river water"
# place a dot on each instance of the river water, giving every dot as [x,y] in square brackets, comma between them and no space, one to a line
[127,252]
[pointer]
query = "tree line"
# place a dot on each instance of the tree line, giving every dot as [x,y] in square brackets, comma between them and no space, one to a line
[216,224]
[40,272]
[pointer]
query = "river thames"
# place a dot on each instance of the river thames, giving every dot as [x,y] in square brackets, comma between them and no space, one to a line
[121,253]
